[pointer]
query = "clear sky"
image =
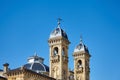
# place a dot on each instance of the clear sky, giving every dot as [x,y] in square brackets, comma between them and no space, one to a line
[25,26]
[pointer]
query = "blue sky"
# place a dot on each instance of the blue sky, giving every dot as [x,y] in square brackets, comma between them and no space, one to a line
[25,26]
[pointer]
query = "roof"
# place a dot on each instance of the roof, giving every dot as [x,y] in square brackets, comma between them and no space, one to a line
[23,69]
[35,58]
[81,47]
[37,67]
[36,63]
[58,32]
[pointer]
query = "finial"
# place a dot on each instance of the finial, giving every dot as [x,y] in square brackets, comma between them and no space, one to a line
[35,54]
[59,19]
[80,38]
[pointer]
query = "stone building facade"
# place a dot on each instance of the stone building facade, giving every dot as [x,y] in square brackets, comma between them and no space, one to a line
[26,74]
[58,69]
[81,62]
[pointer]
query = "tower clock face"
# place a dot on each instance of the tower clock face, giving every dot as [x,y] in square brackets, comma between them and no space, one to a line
[80,46]
[56,32]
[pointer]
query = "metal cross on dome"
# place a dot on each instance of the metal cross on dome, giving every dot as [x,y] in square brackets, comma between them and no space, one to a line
[59,19]
[81,39]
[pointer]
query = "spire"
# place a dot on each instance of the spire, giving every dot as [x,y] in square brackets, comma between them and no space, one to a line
[59,19]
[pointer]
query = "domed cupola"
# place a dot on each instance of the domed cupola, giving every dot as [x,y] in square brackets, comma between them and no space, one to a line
[35,63]
[81,47]
[58,32]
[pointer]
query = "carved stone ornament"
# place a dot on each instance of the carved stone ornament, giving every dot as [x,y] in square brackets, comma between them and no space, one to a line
[79,70]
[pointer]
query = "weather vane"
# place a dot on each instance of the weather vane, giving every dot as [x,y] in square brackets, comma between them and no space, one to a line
[80,38]
[35,54]
[59,19]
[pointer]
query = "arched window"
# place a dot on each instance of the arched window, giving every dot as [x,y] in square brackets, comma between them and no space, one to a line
[79,63]
[55,51]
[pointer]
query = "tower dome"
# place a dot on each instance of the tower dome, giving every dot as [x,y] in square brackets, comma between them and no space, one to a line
[58,32]
[81,47]
[35,63]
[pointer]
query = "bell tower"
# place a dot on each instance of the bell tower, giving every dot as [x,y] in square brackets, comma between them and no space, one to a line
[81,62]
[58,43]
